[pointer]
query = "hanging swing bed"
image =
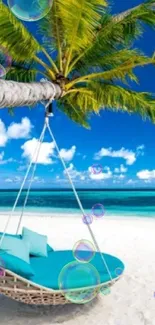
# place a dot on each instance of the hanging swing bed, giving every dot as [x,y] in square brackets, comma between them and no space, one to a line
[57,278]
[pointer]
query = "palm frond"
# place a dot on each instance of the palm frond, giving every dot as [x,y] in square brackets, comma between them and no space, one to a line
[75,113]
[119,30]
[121,72]
[107,61]
[117,98]
[52,27]
[80,20]
[21,74]
[20,44]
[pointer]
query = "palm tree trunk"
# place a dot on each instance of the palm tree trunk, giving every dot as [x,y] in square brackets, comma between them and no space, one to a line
[13,94]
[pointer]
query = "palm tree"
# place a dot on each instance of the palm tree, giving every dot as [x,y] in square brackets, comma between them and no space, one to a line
[94,59]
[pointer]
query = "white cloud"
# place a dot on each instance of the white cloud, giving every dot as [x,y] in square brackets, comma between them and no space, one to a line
[121,169]
[3,134]
[123,153]
[128,155]
[20,130]
[146,174]
[100,176]
[14,131]
[46,151]
[73,172]
[68,155]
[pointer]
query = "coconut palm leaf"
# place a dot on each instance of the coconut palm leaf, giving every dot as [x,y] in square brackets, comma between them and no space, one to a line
[120,72]
[116,98]
[119,30]
[78,21]
[75,113]
[21,74]
[21,45]
[99,96]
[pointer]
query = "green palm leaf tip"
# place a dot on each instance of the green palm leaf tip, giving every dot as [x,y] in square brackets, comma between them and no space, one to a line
[117,98]
[21,45]
[80,20]
[21,74]
[120,30]
[73,111]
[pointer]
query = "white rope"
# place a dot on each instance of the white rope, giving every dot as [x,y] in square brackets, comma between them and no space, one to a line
[32,178]
[21,188]
[78,200]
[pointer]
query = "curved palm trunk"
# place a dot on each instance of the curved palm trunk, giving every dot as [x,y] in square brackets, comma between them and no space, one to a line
[13,94]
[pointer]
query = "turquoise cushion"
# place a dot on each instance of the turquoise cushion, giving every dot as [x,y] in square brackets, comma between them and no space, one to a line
[47,270]
[16,247]
[37,242]
[16,265]
[49,248]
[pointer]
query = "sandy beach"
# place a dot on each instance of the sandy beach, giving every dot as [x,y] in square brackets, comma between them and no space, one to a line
[132,299]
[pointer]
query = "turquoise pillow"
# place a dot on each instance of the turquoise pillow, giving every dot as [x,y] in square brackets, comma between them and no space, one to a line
[37,242]
[16,265]
[49,248]
[16,247]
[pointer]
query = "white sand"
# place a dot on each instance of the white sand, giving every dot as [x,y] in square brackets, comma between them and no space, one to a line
[131,301]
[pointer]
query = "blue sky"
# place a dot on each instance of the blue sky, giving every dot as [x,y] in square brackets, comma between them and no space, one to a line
[122,144]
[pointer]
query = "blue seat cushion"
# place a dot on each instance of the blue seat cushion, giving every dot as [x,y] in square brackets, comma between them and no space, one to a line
[47,270]
[16,265]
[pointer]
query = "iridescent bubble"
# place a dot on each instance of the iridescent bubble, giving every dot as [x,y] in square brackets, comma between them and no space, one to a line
[2,267]
[83,251]
[30,10]
[96,169]
[5,58]
[105,291]
[118,271]
[79,276]
[2,72]
[87,219]
[98,210]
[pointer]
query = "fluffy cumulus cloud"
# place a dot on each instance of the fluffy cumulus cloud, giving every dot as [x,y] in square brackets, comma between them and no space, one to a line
[101,176]
[20,130]
[46,151]
[128,155]
[146,174]
[15,131]
[68,155]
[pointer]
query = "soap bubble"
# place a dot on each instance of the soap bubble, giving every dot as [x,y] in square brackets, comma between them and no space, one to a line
[98,210]
[83,251]
[105,290]
[118,271]
[79,275]
[96,169]
[2,72]
[87,219]
[2,267]
[30,10]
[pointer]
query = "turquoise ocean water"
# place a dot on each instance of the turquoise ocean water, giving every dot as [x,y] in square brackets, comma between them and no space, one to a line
[116,202]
